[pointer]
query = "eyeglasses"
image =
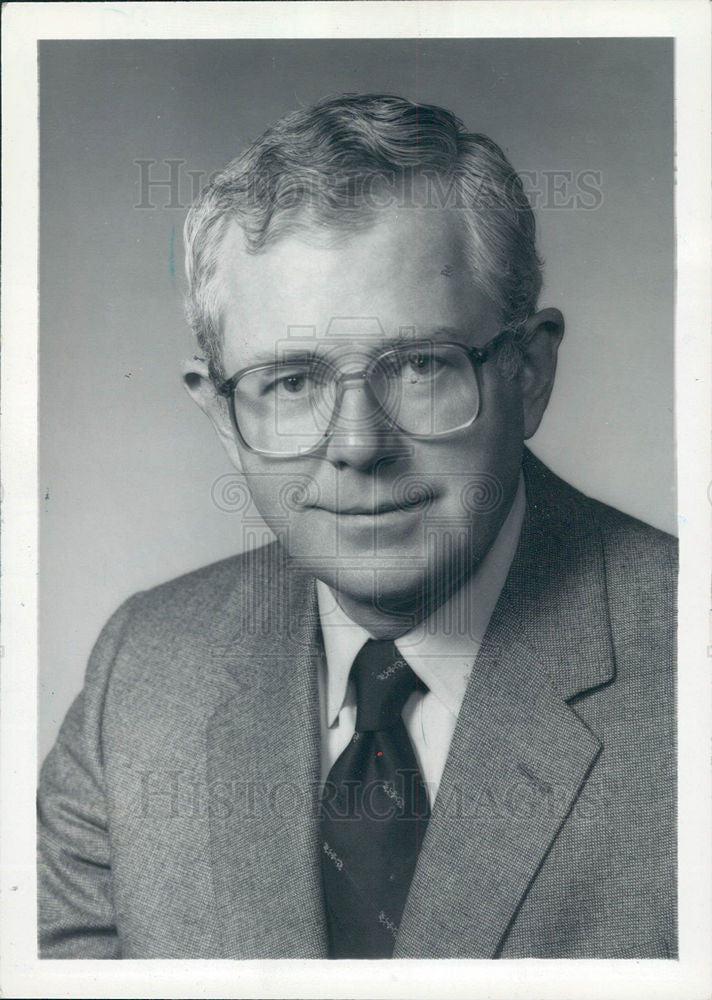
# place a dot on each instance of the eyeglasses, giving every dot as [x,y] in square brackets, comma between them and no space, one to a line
[426,389]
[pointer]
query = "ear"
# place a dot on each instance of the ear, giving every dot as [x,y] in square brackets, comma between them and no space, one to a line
[199,385]
[543,332]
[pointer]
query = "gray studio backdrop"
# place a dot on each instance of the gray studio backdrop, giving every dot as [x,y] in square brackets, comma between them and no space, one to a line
[130,470]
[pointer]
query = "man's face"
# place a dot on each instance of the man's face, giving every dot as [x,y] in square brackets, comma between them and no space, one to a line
[354,295]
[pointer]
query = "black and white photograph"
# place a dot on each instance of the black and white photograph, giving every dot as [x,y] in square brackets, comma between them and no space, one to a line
[370,518]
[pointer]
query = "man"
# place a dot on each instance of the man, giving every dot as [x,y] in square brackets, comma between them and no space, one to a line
[435,718]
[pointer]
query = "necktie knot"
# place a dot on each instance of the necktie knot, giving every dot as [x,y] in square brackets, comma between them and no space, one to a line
[384,681]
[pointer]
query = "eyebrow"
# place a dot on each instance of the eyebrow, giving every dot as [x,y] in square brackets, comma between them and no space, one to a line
[285,356]
[437,333]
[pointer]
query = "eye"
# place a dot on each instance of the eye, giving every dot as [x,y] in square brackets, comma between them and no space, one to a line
[421,364]
[295,383]
[292,384]
[289,383]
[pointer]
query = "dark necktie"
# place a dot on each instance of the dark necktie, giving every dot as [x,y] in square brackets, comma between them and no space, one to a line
[374,812]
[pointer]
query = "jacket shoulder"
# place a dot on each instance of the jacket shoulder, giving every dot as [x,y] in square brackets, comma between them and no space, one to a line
[575,510]
[641,572]
[653,548]
[639,561]
[199,595]
[180,620]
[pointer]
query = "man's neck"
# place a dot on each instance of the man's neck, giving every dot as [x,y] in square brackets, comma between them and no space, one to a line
[391,621]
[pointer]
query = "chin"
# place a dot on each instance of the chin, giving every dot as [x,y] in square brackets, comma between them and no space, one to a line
[404,572]
[398,597]
[389,589]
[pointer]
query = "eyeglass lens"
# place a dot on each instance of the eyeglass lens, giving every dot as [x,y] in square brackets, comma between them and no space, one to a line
[286,408]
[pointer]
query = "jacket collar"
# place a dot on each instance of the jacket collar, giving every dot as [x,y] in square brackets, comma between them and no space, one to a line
[557,584]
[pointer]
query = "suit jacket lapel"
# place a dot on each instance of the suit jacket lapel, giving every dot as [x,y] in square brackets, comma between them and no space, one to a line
[518,758]
[263,766]
[519,755]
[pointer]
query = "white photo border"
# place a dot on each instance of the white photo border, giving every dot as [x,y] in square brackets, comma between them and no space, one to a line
[23,974]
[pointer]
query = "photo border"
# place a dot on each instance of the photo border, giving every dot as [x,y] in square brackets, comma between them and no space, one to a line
[23,974]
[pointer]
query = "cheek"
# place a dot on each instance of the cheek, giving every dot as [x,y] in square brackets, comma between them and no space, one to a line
[501,412]
[493,444]
[478,473]
[503,440]
[499,433]
[278,491]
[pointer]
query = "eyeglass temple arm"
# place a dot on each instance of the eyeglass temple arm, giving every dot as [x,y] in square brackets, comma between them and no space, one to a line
[227,387]
[479,355]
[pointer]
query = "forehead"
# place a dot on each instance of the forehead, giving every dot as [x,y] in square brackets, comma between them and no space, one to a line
[408,271]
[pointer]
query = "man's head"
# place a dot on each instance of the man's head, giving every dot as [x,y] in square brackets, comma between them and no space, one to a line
[347,228]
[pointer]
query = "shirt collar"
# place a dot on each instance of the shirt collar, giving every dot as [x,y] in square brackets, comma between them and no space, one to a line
[442,648]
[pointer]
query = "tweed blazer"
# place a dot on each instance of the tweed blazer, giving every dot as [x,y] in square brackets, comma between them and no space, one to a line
[178,809]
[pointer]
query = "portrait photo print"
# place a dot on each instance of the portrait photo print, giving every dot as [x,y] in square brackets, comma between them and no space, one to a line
[379,660]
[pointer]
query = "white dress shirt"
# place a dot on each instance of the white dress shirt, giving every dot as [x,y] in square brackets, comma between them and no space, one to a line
[441,650]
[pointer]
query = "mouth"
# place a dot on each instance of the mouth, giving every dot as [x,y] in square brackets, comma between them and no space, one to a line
[378,510]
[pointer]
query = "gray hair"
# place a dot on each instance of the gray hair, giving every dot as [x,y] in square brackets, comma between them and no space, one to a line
[328,167]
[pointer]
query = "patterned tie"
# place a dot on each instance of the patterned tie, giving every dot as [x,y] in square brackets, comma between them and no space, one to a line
[374,812]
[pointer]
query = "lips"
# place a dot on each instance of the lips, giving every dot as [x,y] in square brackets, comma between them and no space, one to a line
[385,507]
[364,511]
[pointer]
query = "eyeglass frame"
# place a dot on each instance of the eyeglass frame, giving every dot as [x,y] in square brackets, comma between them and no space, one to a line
[476,355]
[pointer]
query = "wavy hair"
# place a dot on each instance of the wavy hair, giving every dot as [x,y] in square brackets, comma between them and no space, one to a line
[333,166]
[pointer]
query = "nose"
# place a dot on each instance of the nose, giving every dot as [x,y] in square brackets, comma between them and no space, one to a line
[361,435]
